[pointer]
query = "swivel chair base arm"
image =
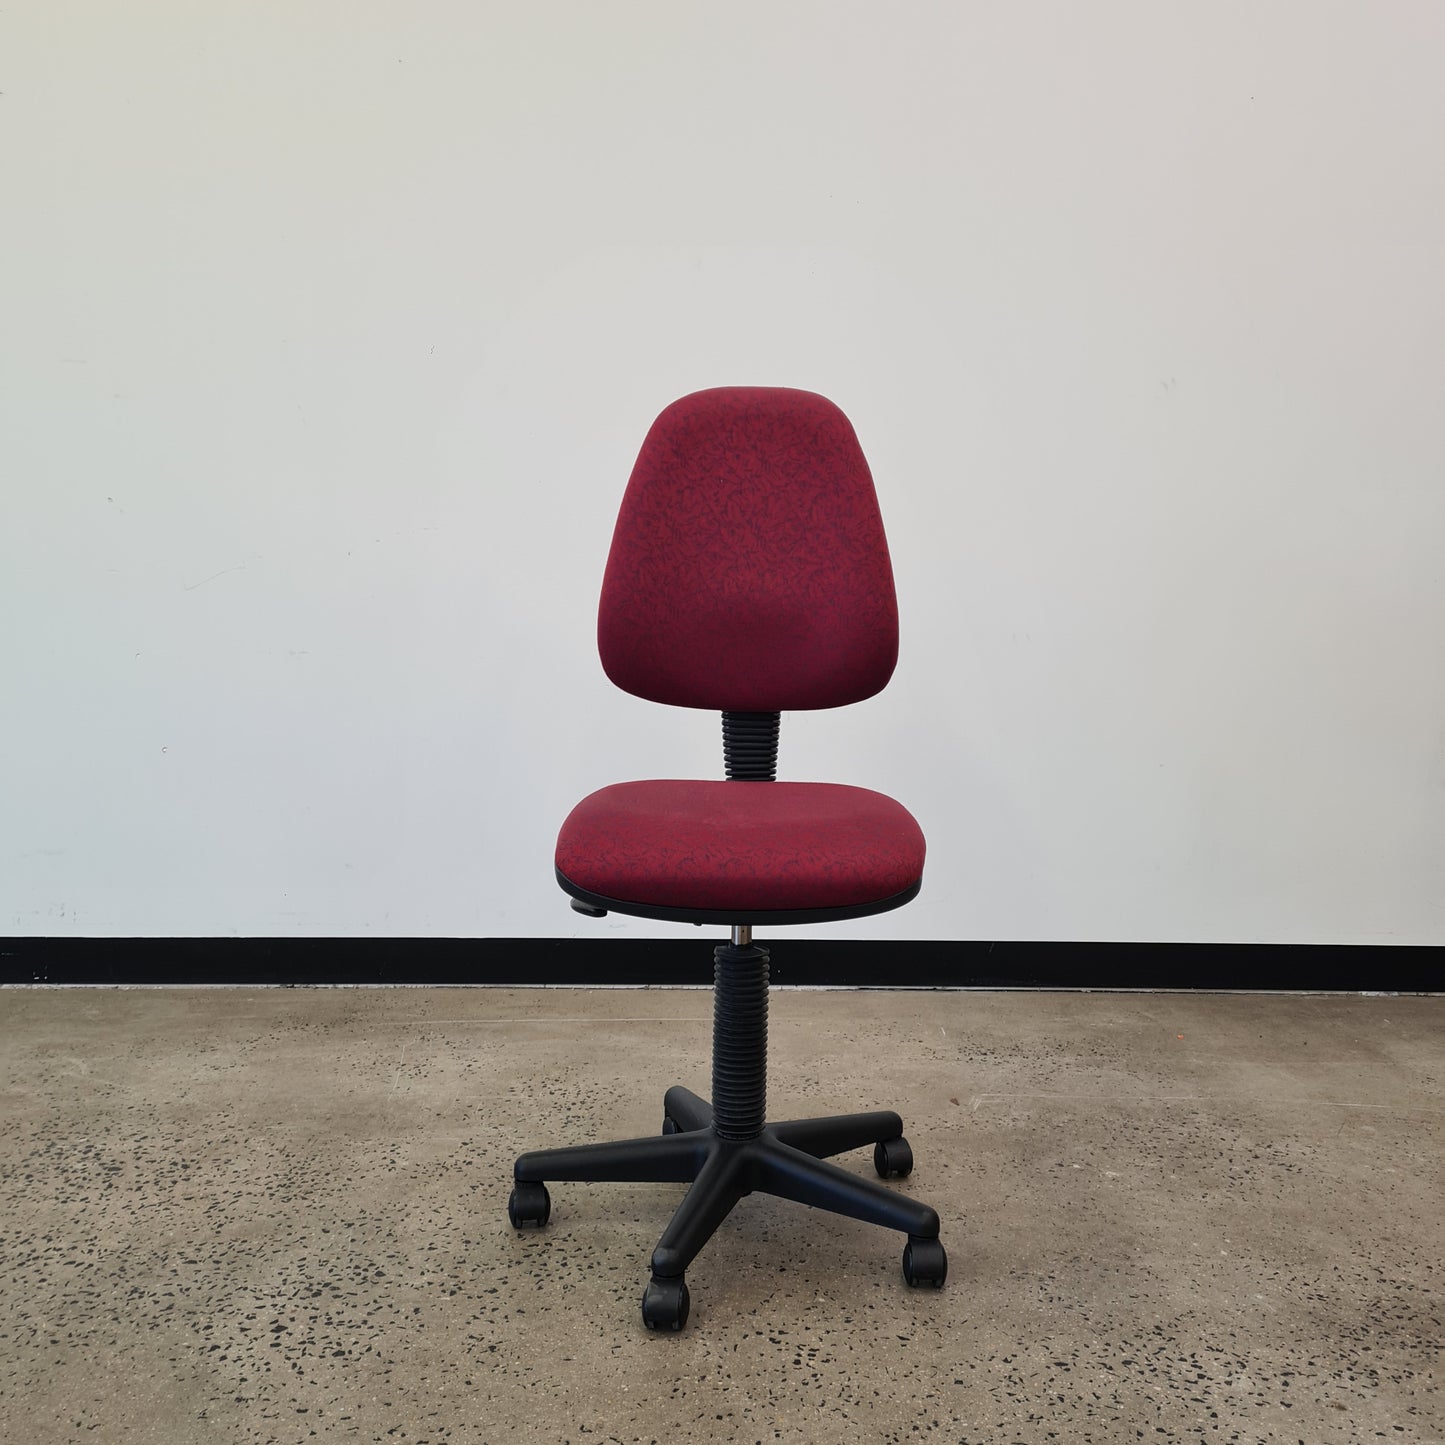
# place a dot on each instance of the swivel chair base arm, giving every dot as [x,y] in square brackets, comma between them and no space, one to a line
[726,1151]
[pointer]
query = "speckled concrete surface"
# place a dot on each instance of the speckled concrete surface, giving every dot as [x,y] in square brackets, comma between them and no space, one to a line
[280,1215]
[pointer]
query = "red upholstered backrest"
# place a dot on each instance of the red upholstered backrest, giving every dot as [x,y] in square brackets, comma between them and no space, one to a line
[749,570]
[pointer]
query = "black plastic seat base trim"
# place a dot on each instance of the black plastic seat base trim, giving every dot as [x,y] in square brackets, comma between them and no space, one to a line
[756,917]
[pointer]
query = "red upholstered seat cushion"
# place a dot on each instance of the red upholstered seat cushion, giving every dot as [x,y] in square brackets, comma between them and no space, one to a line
[750,847]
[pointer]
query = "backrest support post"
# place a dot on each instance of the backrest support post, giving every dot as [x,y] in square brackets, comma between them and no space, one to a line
[750,746]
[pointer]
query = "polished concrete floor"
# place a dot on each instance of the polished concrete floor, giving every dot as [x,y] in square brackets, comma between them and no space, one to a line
[279,1215]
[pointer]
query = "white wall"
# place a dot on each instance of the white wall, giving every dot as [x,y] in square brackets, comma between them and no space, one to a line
[330,332]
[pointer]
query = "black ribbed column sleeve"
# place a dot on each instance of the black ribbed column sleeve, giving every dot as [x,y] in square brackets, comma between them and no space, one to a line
[750,746]
[739,1040]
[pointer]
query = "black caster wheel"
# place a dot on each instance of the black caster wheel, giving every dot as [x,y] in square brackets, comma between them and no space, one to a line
[669,1125]
[529,1204]
[665,1303]
[925,1262]
[893,1159]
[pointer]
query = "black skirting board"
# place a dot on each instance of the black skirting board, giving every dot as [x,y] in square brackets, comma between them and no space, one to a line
[1371,968]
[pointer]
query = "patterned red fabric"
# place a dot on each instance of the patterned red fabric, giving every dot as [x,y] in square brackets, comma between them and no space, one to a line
[743,847]
[749,569]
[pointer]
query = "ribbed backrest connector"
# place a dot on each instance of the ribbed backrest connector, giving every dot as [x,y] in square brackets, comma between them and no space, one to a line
[750,746]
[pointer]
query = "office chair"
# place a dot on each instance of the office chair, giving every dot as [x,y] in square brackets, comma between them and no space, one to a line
[749,574]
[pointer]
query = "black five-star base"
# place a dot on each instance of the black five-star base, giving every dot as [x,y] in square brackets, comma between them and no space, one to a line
[725,1150]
